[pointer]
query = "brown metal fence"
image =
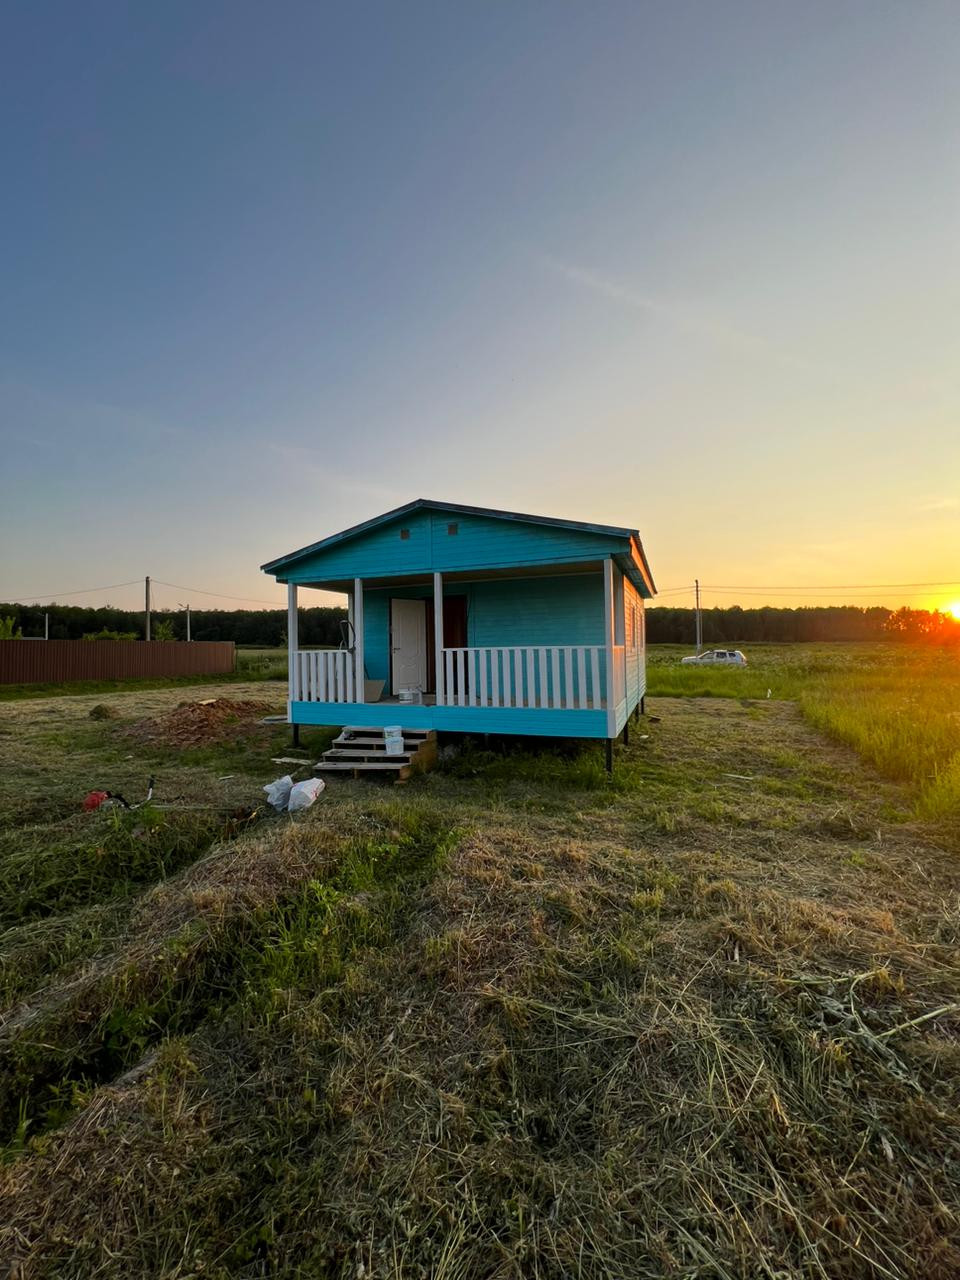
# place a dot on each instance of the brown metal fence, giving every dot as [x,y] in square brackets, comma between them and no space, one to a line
[56,661]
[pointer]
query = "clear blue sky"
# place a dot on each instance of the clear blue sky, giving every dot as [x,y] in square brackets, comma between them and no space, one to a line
[268,270]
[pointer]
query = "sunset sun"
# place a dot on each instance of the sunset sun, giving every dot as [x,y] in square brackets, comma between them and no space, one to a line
[953,609]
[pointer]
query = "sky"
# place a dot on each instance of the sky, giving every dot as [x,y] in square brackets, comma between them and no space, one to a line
[269,270]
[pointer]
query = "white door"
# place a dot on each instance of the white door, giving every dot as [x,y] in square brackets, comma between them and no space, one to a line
[408,631]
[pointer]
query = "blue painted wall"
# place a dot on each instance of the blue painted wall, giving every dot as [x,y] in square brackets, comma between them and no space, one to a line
[536,723]
[480,542]
[567,609]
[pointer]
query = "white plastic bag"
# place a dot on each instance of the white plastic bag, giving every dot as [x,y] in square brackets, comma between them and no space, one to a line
[303,794]
[278,793]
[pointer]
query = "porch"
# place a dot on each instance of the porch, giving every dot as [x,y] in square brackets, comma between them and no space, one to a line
[401,633]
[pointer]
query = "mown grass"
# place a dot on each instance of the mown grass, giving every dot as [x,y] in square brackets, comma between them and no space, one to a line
[904,720]
[105,1017]
[897,705]
[515,1019]
[784,670]
[109,855]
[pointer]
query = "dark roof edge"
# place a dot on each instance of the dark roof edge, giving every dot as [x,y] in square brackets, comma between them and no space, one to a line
[647,571]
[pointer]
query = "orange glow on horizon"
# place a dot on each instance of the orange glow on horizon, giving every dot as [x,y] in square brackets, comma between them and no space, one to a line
[953,609]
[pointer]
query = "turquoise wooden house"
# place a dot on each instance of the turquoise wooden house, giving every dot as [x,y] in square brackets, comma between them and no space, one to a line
[472,620]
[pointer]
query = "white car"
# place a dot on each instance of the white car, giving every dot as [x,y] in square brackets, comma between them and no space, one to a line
[716,657]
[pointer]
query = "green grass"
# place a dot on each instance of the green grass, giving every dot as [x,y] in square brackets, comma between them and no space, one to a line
[903,719]
[245,963]
[109,854]
[515,1018]
[897,705]
[783,669]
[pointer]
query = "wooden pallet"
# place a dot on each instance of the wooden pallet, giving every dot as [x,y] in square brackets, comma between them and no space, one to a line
[364,750]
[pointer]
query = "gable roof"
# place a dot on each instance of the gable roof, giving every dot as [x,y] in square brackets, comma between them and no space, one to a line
[418,504]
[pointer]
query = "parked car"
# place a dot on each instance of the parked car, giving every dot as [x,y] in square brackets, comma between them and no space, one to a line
[716,657]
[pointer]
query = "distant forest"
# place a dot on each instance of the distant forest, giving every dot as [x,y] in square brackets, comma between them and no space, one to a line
[321,626]
[836,622]
[262,627]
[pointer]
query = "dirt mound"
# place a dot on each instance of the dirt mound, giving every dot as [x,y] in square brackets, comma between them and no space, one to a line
[103,712]
[195,724]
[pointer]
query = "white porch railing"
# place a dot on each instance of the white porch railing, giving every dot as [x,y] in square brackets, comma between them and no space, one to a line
[568,677]
[324,675]
[557,677]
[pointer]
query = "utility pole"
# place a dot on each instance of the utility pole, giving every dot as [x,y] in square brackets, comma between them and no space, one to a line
[146,604]
[699,618]
[46,626]
[187,607]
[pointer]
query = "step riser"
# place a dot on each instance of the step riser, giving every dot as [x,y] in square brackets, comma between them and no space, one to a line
[365,731]
[369,755]
[365,750]
[345,767]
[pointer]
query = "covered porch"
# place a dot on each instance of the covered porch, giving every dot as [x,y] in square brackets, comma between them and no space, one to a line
[559,666]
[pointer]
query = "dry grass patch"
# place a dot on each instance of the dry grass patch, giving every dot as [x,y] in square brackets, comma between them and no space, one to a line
[668,1028]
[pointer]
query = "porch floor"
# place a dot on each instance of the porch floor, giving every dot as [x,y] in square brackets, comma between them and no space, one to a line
[428,700]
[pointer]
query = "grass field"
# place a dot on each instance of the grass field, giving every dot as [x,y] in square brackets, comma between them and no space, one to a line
[514,1019]
[897,705]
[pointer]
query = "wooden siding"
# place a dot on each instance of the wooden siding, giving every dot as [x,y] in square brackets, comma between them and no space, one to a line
[511,720]
[565,610]
[479,543]
[536,650]
[57,661]
[634,623]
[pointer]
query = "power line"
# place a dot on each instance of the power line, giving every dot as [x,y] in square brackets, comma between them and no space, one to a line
[135,582]
[834,592]
[834,586]
[178,586]
[50,595]
[869,589]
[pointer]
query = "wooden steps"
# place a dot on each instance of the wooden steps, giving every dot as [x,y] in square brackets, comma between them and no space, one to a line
[364,750]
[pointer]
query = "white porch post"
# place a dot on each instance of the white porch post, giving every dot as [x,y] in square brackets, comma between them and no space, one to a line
[360,694]
[293,645]
[608,630]
[438,635]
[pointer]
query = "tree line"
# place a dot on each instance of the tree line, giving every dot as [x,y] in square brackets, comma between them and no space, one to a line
[322,625]
[732,624]
[262,627]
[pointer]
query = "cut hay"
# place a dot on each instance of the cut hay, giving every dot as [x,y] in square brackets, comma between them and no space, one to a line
[680,1026]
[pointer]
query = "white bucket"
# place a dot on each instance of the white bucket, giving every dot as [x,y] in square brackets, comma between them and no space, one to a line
[393,739]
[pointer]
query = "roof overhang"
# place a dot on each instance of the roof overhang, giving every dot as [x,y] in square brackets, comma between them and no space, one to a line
[634,565]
